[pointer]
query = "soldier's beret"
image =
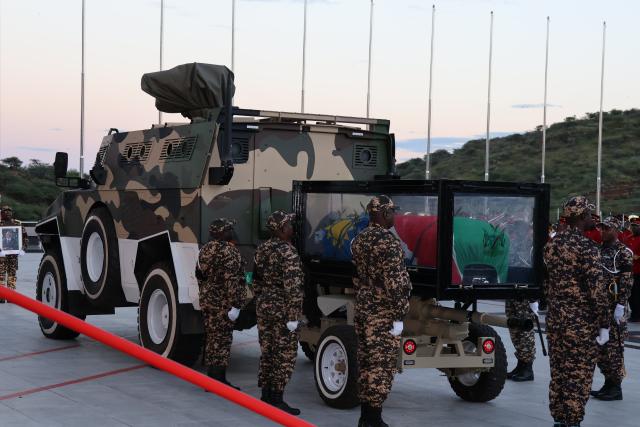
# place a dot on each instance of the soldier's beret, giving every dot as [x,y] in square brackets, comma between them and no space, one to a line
[221,224]
[611,222]
[278,219]
[381,202]
[576,206]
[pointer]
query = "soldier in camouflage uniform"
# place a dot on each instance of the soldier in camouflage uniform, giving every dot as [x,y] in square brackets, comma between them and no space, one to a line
[617,260]
[9,263]
[382,290]
[578,318]
[278,285]
[223,292]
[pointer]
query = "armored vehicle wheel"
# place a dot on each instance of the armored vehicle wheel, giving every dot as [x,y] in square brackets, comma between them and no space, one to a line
[309,350]
[51,289]
[100,260]
[336,367]
[475,386]
[159,318]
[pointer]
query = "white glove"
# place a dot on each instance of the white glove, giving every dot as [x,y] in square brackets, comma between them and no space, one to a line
[233,314]
[618,313]
[534,306]
[21,252]
[603,336]
[292,325]
[398,326]
[2,254]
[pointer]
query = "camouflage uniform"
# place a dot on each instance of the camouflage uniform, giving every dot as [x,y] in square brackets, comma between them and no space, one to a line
[9,263]
[222,287]
[578,306]
[382,289]
[523,341]
[617,260]
[278,285]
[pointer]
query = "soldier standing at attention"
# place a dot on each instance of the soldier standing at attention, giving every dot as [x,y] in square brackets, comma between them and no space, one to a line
[617,260]
[9,263]
[278,285]
[223,293]
[578,317]
[382,290]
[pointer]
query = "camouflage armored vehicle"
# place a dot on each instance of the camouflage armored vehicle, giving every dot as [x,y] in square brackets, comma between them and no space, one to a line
[130,236]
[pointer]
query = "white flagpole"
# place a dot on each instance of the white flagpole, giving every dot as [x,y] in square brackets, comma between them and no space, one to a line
[369,66]
[304,56]
[544,110]
[428,159]
[486,152]
[233,35]
[82,97]
[161,48]
[599,179]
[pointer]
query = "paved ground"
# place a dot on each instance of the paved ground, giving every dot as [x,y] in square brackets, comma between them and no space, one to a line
[81,383]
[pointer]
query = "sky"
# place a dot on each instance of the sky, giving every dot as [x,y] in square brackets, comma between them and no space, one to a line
[40,63]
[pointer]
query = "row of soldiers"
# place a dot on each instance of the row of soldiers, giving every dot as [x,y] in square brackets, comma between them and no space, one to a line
[9,263]
[587,288]
[382,289]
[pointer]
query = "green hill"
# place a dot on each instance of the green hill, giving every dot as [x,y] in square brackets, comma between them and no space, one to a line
[570,165]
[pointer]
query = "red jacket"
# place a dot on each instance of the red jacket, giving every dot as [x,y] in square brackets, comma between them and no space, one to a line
[633,242]
[594,234]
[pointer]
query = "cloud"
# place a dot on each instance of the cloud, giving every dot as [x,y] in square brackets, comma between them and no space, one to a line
[525,106]
[42,149]
[403,155]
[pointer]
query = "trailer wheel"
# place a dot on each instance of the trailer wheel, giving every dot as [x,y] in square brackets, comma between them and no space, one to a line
[309,350]
[336,367]
[476,386]
[51,289]
[159,318]
[100,260]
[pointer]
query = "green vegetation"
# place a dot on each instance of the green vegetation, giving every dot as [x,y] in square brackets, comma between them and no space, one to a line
[572,150]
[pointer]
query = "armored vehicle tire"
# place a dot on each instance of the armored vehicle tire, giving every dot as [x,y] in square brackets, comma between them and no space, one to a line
[336,367]
[309,350]
[159,318]
[100,260]
[481,386]
[51,289]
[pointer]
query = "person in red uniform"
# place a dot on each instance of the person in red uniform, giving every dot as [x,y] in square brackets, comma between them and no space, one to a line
[593,233]
[633,242]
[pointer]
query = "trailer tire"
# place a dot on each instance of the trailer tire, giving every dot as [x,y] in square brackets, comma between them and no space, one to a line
[100,259]
[338,344]
[489,384]
[159,318]
[51,289]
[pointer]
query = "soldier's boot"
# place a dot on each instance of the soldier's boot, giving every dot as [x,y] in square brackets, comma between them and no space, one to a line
[371,417]
[605,386]
[277,401]
[266,394]
[219,373]
[559,424]
[1,301]
[525,374]
[613,392]
[515,370]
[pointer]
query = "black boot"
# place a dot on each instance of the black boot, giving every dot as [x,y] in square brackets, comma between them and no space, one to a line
[219,373]
[559,424]
[371,417]
[276,400]
[613,392]
[266,394]
[515,371]
[605,386]
[525,374]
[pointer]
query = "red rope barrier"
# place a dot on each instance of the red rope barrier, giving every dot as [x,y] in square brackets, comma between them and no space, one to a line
[148,356]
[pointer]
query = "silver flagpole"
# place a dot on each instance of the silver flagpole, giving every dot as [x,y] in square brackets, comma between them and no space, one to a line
[486,150]
[599,179]
[544,110]
[369,67]
[428,159]
[82,98]
[233,35]
[304,56]
[161,48]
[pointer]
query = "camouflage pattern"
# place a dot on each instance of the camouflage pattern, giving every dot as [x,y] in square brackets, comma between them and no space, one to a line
[379,203]
[278,286]
[223,287]
[221,225]
[576,206]
[9,263]
[382,289]
[278,219]
[578,306]
[619,259]
[523,341]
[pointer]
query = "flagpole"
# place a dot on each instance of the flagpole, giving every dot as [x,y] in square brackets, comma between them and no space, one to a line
[428,159]
[369,66]
[599,179]
[304,56]
[82,95]
[233,35]
[544,110]
[161,48]
[486,152]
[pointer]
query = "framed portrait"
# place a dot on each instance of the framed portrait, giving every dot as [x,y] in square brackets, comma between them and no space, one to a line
[11,239]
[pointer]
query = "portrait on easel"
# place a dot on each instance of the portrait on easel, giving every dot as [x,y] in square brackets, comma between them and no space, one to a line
[10,240]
